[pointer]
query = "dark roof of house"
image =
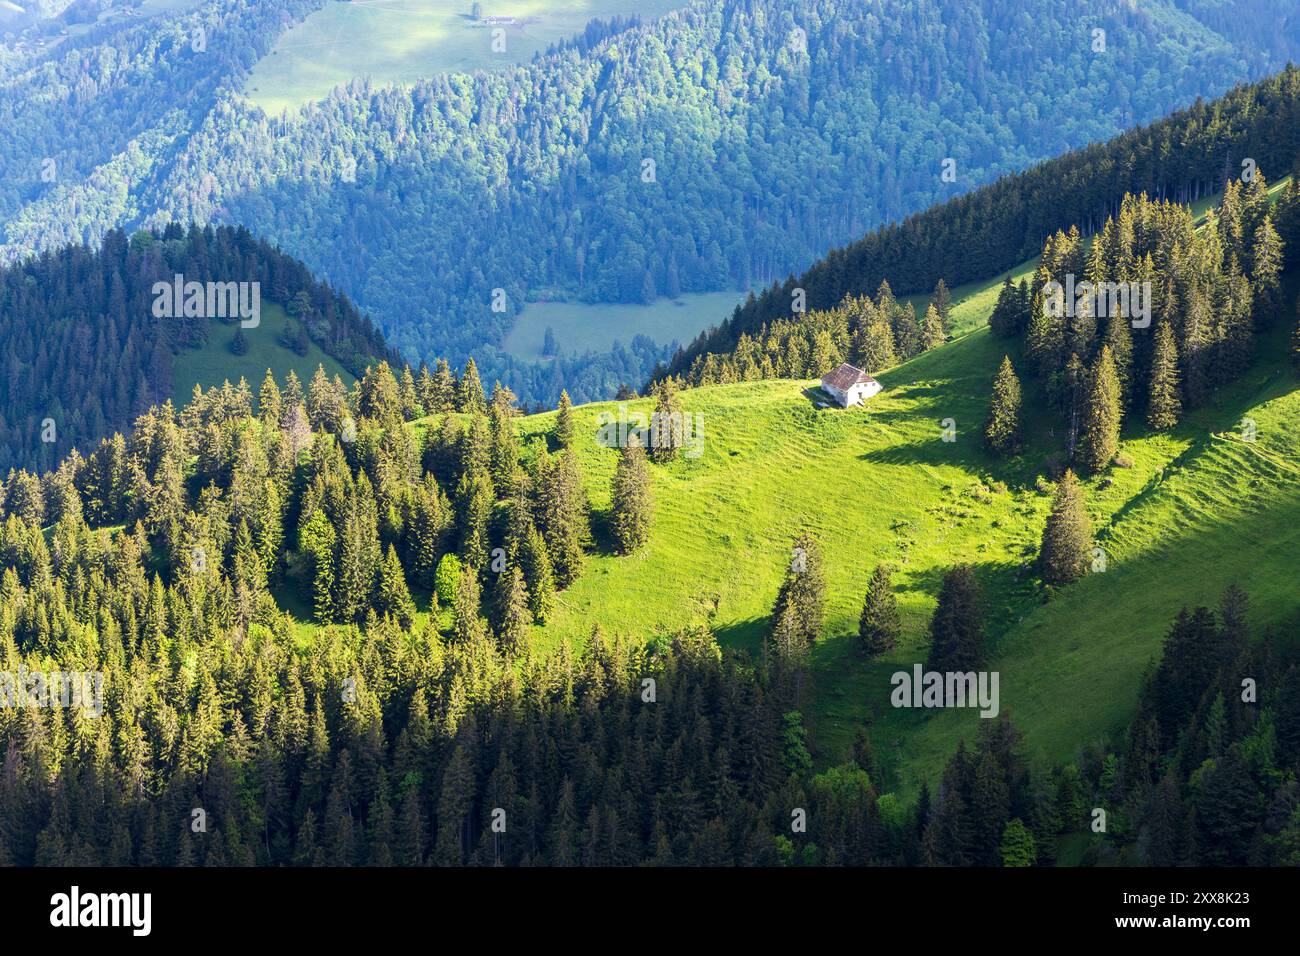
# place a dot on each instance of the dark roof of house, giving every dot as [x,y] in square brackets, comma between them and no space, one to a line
[845,377]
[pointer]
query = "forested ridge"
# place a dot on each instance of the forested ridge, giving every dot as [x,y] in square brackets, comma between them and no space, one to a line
[1209,293]
[1190,154]
[768,146]
[396,736]
[84,352]
[90,123]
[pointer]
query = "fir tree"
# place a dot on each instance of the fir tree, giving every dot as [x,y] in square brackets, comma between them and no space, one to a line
[631,499]
[957,629]
[941,299]
[541,579]
[467,622]
[932,330]
[1164,407]
[1102,413]
[1067,537]
[1002,430]
[469,392]
[1265,273]
[803,591]
[564,423]
[393,597]
[511,613]
[666,422]
[879,625]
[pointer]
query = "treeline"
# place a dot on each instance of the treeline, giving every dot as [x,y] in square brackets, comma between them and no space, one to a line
[872,334]
[90,122]
[593,34]
[1192,153]
[1183,324]
[84,354]
[1148,318]
[1205,774]
[768,147]
[397,737]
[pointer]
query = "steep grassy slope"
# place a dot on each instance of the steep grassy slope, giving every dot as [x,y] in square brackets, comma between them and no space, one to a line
[214,362]
[1199,509]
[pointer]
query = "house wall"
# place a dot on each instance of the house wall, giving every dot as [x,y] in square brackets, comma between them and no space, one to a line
[835,393]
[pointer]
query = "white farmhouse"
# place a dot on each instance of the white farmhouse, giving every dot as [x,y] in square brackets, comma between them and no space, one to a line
[849,385]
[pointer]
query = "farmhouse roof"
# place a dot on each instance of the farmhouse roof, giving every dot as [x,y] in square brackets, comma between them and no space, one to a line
[845,377]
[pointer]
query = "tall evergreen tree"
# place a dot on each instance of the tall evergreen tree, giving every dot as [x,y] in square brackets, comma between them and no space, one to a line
[511,613]
[932,330]
[564,423]
[1067,537]
[941,299]
[1002,430]
[1164,406]
[1102,413]
[957,628]
[879,625]
[631,499]
[803,592]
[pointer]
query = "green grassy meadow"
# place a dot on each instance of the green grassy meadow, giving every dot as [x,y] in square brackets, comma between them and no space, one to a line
[1210,503]
[1199,509]
[214,362]
[400,41]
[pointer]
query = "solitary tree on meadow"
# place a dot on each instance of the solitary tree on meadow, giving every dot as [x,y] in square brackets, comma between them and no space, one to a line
[1067,537]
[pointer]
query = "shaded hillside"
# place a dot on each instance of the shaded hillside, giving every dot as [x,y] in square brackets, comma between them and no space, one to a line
[85,353]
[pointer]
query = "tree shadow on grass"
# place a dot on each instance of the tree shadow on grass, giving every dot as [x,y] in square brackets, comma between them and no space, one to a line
[748,636]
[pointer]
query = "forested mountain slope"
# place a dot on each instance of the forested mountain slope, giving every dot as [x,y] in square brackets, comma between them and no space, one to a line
[1184,157]
[353,624]
[721,146]
[85,351]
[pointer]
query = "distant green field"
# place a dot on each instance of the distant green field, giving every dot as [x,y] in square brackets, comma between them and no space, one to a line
[215,363]
[400,41]
[580,327]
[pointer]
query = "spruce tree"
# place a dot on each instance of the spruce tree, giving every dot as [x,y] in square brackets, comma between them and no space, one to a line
[442,393]
[393,597]
[270,404]
[879,626]
[1120,342]
[957,628]
[1004,320]
[1002,430]
[1266,269]
[803,592]
[1102,413]
[1067,537]
[932,331]
[503,446]
[666,422]
[631,500]
[467,623]
[564,424]
[511,613]
[1164,407]
[941,299]
[469,392]
[540,578]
